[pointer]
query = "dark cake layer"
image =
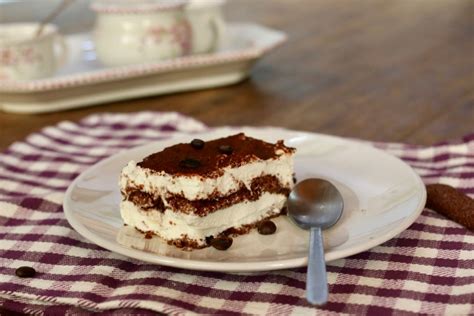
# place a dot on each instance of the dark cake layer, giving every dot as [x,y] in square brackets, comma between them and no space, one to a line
[201,208]
[210,157]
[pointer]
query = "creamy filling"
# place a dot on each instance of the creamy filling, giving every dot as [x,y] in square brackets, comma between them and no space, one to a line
[194,187]
[171,225]
[213,203]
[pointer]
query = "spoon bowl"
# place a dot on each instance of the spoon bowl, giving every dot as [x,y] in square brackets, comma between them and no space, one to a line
[315,204]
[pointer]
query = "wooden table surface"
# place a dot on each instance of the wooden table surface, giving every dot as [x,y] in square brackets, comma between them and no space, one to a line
[398,71]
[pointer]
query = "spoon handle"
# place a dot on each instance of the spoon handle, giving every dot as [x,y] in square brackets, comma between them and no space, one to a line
[316,282]
[63,5]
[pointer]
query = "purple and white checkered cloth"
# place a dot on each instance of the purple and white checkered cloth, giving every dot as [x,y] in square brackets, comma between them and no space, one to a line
[429,268]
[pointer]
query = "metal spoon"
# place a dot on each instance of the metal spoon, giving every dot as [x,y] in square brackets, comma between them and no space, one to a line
[315,204]
[63,5]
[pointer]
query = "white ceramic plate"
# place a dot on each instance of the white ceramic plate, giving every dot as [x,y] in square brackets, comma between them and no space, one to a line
[84,81]
[382,195]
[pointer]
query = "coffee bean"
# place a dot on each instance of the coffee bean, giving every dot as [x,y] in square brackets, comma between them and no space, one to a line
[226,149]
[25,272]
[221,243]
[266,228]
[197,143]
[209,239]
[190,163]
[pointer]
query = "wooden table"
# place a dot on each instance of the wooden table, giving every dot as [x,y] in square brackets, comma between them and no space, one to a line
[379,70]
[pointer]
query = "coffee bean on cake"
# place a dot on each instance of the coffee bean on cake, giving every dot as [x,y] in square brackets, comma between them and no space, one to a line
[197,143]
[190,163]
[226,149]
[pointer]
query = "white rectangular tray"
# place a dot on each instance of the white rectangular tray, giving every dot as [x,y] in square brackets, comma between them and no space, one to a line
[84,81]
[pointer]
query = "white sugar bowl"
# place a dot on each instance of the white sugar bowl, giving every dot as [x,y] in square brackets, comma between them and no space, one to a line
[130,32]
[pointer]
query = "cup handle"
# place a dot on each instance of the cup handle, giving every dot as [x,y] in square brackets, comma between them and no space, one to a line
[61,56]
[217,29]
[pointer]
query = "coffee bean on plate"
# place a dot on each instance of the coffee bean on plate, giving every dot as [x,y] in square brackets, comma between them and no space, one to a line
[266,228]
[190,163]
[25,272]
[221,243]
[197,143]
[226,149]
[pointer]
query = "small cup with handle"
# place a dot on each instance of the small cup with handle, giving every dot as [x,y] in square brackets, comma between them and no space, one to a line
[27,56]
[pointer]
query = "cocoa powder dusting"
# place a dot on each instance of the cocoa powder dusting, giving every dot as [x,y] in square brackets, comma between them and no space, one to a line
[211,159]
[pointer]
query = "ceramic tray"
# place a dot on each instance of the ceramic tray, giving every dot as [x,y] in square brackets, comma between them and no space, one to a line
[84,81]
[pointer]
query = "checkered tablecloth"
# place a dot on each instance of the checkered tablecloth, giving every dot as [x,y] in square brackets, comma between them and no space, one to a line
[429,268]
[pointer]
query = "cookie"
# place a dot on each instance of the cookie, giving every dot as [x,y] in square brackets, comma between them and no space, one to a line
[452,203]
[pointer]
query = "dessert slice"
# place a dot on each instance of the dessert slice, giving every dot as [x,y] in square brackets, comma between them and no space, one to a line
[193,192]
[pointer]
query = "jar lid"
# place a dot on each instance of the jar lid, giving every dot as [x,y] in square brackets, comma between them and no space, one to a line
[133,6]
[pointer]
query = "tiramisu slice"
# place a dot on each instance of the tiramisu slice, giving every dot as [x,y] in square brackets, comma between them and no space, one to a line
[193,193]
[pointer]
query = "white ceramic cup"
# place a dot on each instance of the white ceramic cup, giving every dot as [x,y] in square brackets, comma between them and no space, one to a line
[140,31]
[25,56]
[207,23]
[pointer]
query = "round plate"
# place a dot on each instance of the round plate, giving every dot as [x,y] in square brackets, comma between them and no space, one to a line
[382,197]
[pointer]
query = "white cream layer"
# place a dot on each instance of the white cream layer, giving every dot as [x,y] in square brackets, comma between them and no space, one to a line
[198,228]
[197,187]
